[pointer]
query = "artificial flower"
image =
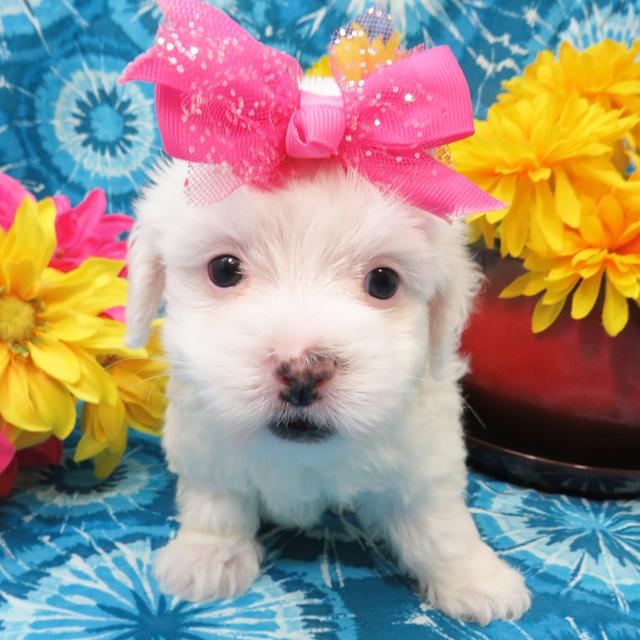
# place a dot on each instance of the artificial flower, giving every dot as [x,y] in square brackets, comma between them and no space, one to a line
[140,377]
[603,252]
[528,154]
[12,194]
[24,449]
[607,73]
[50,327]
[355,55]
[320,68]
[83,231]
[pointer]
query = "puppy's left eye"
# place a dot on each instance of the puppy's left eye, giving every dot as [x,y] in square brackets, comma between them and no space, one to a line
[225,271]
[382,283]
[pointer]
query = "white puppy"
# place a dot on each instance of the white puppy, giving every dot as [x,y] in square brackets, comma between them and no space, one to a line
[312,336]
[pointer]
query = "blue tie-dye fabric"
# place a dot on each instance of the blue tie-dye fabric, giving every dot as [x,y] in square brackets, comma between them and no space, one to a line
[75,556]
[75,562]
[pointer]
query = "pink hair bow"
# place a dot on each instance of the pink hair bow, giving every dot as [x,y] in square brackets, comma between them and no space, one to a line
[226,102]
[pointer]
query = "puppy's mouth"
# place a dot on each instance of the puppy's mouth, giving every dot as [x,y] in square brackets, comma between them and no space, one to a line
[299,430]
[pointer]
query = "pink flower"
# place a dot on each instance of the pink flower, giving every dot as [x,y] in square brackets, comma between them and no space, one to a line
[12,193]
[82,232]
[43,453]
[85,231]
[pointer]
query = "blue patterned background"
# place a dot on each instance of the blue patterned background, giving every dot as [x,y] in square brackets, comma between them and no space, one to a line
[76,563]
[75,555]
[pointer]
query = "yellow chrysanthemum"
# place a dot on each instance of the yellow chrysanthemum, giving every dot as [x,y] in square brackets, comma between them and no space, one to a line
[321,68]
[49,326]
[608,73]
[140,379]
[356,56]
[528,154]
[604,247]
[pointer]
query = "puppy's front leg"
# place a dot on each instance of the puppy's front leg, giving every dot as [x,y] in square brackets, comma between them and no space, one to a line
[438,543]
[215,554]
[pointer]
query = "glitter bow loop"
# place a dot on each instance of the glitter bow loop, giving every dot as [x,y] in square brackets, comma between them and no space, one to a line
[419,101]
[399,114]
[221,96]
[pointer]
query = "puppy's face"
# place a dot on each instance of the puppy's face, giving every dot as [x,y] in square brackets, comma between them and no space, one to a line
[307,314]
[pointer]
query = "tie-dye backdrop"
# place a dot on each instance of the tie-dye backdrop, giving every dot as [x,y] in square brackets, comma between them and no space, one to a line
[75,556]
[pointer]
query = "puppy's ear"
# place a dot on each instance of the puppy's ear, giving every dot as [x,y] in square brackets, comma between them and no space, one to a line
[146,285]
[450,306]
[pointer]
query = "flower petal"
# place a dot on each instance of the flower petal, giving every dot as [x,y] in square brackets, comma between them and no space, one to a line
[612,216]
[592,231]
[15,402]
[108,460]
[31,238]
[546,219]
[72,327]
[108,338]
[12,194]
[515,227]
[544,315]
[55,358]
[559,290]
[520,285]
[91,288]
[94,384]
[98,421]
[52,402]
[567,202]
[5,358]
[615,313]
[585,296]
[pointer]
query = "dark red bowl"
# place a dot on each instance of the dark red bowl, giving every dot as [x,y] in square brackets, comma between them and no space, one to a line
[568,397]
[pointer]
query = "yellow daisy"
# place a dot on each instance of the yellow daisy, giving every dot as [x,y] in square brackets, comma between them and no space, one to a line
[23,439]
[140,377]
[49,326]
[528,154]
[605,248]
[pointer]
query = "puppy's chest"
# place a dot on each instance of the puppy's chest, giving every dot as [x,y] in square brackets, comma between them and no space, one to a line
[294,496]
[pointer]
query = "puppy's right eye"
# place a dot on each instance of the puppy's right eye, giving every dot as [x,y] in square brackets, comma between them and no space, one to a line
[225,271]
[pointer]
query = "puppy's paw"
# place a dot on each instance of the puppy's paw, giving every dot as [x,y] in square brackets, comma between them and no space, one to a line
[199,567]
[479,588]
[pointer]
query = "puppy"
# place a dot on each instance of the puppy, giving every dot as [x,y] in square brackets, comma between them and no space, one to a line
[312,335]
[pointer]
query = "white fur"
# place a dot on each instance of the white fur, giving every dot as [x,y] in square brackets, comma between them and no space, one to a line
[398,455]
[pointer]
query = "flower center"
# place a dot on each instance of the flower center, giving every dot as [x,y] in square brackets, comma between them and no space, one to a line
[17,319]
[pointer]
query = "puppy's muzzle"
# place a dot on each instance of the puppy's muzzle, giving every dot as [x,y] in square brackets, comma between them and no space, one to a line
[302,378]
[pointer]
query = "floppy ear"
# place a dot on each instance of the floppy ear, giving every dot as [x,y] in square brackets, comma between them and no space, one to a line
[451,305]
[146,285]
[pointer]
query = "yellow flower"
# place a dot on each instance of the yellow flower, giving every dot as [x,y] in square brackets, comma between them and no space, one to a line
[322,68]
[528,154]
[356,56]
[23,439]
[604,247]
[140,376]
[49,326]
[608,74]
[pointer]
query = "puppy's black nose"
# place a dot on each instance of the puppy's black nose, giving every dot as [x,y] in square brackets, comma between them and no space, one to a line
[301,378]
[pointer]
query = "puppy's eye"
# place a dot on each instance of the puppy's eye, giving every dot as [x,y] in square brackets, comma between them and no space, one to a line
[225,271]
[382,283]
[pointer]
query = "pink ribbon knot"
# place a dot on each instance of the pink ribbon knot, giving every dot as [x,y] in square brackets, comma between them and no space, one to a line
[316,129]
